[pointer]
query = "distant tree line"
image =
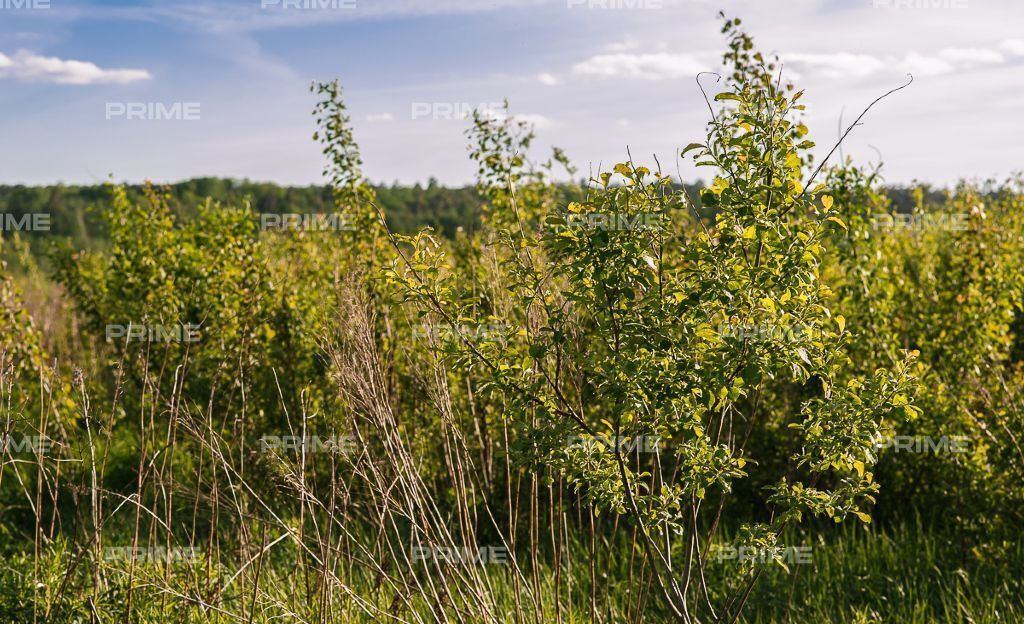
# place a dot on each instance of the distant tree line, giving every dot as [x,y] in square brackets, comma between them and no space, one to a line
[75,211]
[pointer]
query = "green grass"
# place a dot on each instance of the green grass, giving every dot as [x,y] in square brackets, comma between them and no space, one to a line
[905,575]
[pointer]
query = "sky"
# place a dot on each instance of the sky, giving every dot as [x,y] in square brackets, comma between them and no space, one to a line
[93,90]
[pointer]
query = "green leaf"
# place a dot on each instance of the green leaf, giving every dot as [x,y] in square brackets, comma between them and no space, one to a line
[838,222]
[690,147]
[859,467]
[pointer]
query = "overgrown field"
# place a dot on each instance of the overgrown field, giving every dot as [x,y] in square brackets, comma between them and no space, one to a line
[777,398]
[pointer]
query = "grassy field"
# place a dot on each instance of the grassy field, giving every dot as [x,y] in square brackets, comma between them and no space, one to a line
[782,396]
[906,574]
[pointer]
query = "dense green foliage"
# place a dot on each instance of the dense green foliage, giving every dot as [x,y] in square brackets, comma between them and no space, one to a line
[643,401]
[76,212]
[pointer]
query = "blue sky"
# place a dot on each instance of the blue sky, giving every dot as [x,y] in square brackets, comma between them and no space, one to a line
[594,76]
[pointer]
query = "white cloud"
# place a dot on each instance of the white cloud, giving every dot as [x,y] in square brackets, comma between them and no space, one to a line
[971,56]
[946,61]
[375,117]
[921,65]
[29,67]
[548,79]
[538,121]
[625,45]
[838,65]
[655,66]
[641,66]
[219,16]
[1014,46]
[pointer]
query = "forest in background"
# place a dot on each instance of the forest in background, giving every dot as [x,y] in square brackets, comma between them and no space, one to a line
[76,211]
